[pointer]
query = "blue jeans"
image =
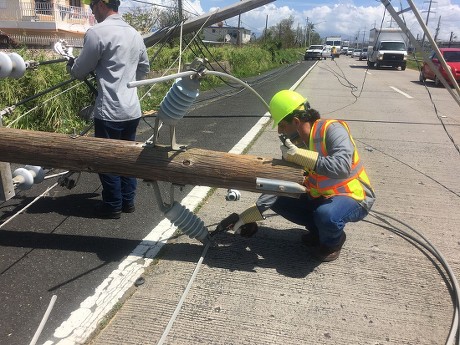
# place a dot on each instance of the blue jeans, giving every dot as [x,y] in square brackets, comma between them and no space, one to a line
[321,216]
[117,190]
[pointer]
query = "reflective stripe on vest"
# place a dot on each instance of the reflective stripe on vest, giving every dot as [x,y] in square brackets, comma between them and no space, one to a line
[320,185]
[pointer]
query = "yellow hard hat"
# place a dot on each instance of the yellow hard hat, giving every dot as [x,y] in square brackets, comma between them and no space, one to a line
[283,103]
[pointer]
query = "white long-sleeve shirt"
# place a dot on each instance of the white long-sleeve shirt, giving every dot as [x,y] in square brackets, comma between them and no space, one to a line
[117,53]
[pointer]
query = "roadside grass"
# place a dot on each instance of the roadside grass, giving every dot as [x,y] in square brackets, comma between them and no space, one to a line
[415,61]
[58,110]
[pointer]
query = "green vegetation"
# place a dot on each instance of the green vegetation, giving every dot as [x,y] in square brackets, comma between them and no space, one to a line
[58,110]
[415,61]
[51,112]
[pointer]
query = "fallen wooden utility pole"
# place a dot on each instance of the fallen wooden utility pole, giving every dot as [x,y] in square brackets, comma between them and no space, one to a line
[191,167]
[207,19]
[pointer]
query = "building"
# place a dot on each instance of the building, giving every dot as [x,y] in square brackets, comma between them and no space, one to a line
[43,22]
[219,33]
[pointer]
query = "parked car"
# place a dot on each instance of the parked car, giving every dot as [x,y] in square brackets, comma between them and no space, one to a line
[357,53]
[350,51]
[452,57]
[314,52]
[363,55]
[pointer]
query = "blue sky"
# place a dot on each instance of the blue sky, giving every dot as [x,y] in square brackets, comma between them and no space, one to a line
[348,18]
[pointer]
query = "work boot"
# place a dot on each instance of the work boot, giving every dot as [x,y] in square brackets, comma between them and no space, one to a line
[130,208]
[326,254]
[105,212]
[310,239]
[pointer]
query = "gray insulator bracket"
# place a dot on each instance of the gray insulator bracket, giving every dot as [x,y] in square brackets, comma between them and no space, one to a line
[279,186]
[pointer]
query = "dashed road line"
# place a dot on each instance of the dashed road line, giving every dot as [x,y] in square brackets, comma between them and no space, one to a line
[401,92]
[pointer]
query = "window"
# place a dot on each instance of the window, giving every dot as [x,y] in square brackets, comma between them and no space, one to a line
[452,56]
[2,3]
[399,46]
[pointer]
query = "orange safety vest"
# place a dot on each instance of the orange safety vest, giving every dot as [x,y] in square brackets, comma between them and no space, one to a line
[319,185]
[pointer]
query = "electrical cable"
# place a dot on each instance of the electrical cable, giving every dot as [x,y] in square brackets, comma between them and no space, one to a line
[174,62]
[435,108]
[45,101]
[411,167]
[350,85]
[27,206]
[43,321]
[426,244]
[41,93]
[184,295]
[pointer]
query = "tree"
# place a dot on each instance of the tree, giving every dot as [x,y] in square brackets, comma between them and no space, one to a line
[282,34]
[147,19]
[142,19]
[315,38]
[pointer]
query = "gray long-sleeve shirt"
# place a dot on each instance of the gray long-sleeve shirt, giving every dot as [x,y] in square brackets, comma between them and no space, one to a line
[337,164]
[117,53]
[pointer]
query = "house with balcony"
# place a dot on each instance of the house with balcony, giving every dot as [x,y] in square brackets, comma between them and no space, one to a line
[41,23]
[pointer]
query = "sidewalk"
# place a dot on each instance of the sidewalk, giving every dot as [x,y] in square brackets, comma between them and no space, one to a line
[269,290]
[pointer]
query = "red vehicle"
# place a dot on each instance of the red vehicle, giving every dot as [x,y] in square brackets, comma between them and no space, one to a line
[452,57]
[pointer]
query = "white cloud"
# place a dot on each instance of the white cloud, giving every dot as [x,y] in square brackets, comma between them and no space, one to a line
[344,18]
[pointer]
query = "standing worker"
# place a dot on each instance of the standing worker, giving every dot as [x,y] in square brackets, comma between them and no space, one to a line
[117,53]
[338,188]
[333,52]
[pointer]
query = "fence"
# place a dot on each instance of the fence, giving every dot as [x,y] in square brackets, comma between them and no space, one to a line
[45,40]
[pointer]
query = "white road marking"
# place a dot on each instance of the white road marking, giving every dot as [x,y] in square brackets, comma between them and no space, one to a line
[83,321]
[401,92]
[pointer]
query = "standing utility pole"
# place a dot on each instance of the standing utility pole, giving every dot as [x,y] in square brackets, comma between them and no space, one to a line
[437,29]
[179,7]
[266,27]
[238,39]
[306,34]
[426,23]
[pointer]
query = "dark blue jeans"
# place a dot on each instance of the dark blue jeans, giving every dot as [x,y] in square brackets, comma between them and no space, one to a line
[324,217]
[117,190]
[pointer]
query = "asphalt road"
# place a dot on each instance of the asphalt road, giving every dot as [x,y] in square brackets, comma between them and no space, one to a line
[57,247]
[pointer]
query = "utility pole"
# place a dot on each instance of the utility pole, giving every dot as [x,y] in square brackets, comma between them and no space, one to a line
[179,7]
[437,29]
[306,34]
[266,27]
[238,39]
[364,36]
[450,39]
[193,24]
[191,167]
[426,23]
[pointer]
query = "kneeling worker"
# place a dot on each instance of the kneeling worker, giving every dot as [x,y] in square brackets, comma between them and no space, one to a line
[338,188]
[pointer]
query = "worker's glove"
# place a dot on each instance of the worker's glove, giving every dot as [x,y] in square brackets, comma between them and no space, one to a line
[246,224]
[69,65]
[243,224]
[305,158]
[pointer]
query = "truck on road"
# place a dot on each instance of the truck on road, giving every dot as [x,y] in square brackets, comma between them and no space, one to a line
[387,47]
[334,41]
